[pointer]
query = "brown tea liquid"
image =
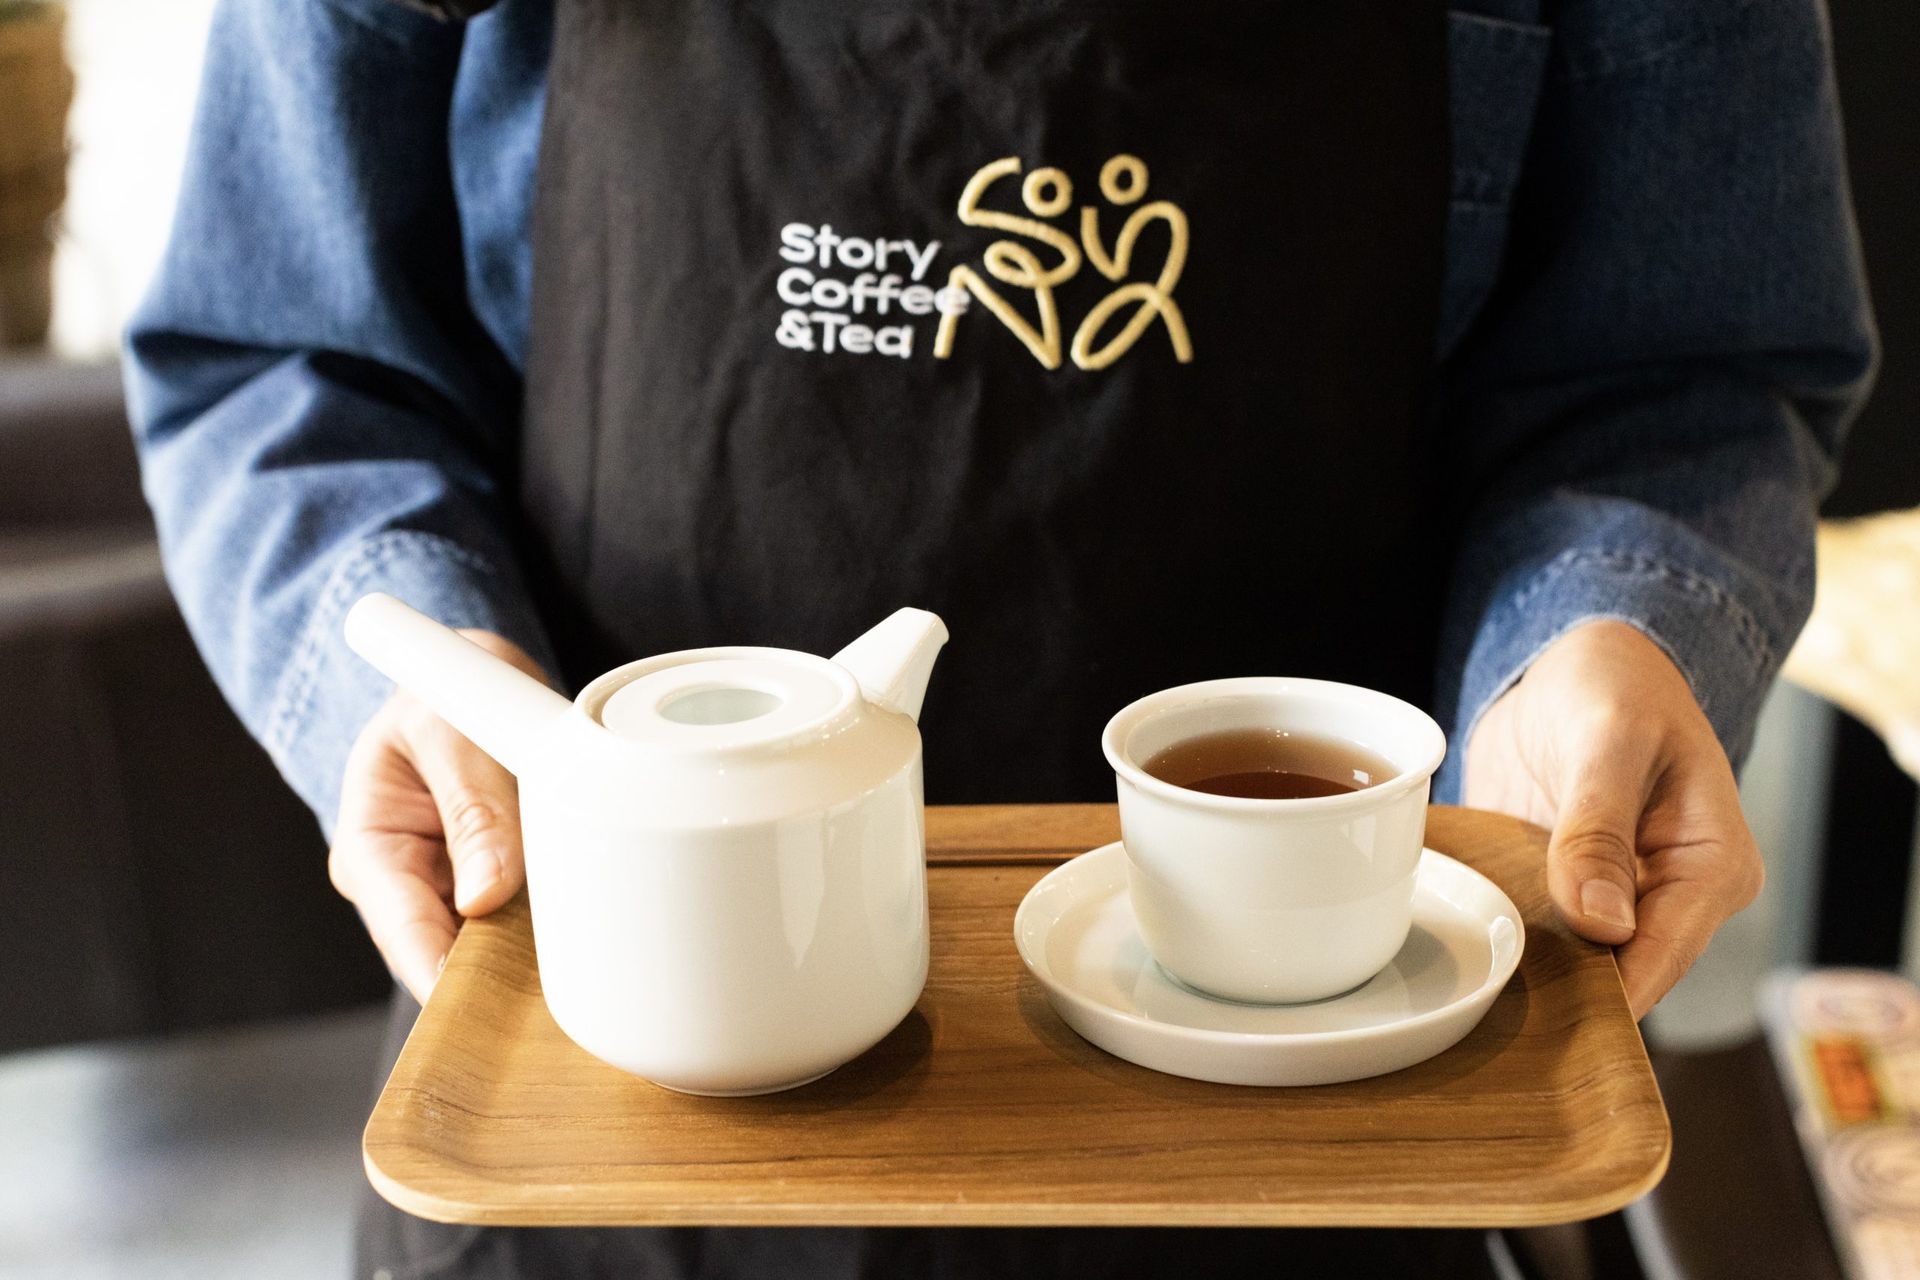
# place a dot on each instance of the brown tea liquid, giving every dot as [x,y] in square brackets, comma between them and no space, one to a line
[1268,764]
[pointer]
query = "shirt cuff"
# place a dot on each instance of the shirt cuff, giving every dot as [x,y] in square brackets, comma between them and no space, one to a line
[327,693]
[1713,639]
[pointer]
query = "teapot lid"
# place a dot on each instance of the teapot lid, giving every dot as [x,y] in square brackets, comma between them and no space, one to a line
[720,699]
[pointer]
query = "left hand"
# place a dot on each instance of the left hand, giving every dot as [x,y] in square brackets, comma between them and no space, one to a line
[1602,742]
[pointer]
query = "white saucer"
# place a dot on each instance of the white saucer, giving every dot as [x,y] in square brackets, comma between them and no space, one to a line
[1076,934]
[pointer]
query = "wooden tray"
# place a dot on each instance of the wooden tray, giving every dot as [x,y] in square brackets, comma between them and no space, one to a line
[982,1108]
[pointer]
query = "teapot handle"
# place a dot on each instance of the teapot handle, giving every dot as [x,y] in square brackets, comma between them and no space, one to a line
[504,711]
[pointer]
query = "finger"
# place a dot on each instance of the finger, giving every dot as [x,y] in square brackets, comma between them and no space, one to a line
[1591,863]
[1704,870]
[404,913]
[479,805]
[1677,921]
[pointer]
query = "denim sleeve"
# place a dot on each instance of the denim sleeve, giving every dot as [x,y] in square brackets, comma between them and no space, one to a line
[317,411]
[1653,401]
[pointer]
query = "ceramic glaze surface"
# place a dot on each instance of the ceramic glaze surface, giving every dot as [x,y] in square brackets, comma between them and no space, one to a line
[725,847]
[1077,935]
[732,960]
[1273,900]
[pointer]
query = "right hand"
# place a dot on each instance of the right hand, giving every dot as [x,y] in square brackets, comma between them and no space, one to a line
[429,830]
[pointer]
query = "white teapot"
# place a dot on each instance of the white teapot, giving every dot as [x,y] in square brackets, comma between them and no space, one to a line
[725,848]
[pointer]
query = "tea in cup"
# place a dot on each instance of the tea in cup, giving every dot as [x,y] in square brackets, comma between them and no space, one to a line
[1273,829]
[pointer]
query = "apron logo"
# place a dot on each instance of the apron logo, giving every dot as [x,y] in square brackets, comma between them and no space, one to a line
[1047,193]
[821,306]
[891,282]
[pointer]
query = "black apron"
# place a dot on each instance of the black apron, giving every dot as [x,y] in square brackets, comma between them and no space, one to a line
[1172,428]
[1100,327]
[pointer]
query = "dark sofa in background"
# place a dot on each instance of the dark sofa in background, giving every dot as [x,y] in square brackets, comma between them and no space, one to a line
[155,873]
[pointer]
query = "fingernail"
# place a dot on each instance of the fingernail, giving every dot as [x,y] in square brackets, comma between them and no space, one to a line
[477,875]
[1603,900]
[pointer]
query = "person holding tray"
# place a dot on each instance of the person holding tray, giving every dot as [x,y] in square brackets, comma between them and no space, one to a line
[1493,357]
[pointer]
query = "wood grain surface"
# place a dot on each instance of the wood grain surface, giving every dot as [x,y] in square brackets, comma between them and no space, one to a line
[982,1108]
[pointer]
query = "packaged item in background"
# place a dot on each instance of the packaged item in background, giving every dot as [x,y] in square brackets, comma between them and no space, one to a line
[1847,1044]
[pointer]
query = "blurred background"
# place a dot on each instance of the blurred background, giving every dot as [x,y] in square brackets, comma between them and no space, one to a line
[187,1017]
[187,1025]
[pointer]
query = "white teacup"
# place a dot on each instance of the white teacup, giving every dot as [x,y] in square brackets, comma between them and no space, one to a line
[1273,901]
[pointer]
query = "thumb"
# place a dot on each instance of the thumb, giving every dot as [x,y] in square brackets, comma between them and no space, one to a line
[1592,869]
[479,806]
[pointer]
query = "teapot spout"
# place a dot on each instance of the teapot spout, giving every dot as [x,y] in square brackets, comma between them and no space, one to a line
[893,661]
[503,711]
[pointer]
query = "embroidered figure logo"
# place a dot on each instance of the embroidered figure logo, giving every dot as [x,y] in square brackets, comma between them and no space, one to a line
[1048,193]
[865,295]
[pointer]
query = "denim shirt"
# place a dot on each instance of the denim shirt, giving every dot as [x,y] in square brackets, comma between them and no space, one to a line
[1654,333]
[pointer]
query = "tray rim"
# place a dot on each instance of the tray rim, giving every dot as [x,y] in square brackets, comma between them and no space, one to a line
[1626,1185]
